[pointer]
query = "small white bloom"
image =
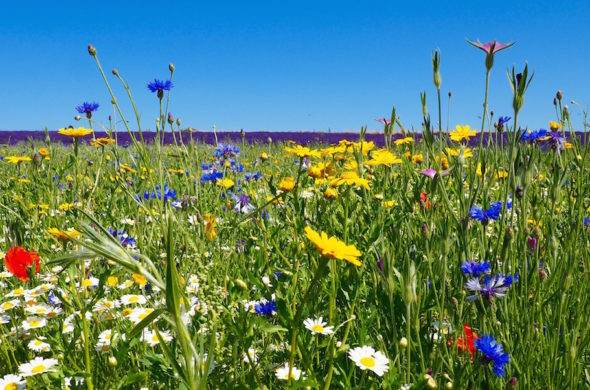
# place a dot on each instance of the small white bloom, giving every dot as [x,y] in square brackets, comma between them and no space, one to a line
[317,326]
[283,373]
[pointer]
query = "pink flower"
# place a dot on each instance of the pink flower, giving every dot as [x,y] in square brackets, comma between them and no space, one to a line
[431,173]
[384,121]
[491,47]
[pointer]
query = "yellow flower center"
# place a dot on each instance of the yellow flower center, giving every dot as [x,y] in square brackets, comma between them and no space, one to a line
[19,291]
[86,283]
[318,328]
[11,386]
[38,343]
[7,306]
[34,323]
[108,336]
[133,299]
[368,361]
[40,310]
[38,369]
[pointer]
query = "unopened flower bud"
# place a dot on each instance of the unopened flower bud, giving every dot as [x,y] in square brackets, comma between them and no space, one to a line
[92,50]
[170,118]
[403,342]
[77,117]
[555,101]
[431,383]
[171,67]
[450,94]
[112,361]
[448,385]
[559,95]
[113,101]
[542,274]
[532,244]
[240,283]
[115,72]
[178,122]
[512,383]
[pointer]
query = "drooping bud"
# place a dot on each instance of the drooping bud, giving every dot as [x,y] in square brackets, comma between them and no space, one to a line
[92,50]
[559,95]
[115,72]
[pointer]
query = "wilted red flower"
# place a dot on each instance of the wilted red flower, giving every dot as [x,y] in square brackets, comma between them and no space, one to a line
[18,260]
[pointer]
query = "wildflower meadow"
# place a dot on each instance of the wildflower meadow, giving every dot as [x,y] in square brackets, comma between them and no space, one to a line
[438,258]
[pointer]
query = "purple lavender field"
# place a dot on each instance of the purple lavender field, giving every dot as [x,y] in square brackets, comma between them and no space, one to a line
[13,137]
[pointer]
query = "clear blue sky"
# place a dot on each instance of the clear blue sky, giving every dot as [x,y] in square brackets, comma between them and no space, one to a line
[293,65]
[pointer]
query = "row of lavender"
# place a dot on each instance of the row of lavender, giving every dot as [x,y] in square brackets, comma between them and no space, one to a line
[16,136]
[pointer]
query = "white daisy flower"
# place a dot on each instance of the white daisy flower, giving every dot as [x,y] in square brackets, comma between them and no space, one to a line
[252,356]
[33,323]
[266,281]
[36,366]
[283,373]
[13,382]
[366,358]
[317,326]
[138,314]
[132,299]
[38,345]
[151,337]
[39,310]
[9,305]
[89,282]
[126,284]
[5,274]
[18,292]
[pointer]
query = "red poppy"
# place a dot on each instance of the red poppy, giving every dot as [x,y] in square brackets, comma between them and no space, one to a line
[18,260]
[465,343]
[424,200]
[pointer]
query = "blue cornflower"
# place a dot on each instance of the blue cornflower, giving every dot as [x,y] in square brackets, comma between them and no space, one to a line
[167,193]
[160,86]
[252,176]
[493,286]
[53,299]
[493,353]
[226,150]
[211,176]
[123,237]
[555,142]
[493,212]
[266,308]
[501,122]
[533,135]
[87,108]
[586,221]
[474,268]
[243,204]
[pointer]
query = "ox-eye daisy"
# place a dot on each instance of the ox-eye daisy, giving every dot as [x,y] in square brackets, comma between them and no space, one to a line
[36,366]
[317,326]
[366,358]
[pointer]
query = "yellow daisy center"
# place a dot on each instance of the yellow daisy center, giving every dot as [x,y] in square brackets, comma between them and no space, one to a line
[38,369]
[86,283]
[367,361]
[34,323]
[133,299]
[7,306]
[11,386]
[38,343]
[317,328]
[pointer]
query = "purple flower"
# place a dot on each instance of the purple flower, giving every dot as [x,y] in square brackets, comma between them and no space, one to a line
[428,172]
[380,264]
[555,142]
[243,203]
[385,121]
[493,287]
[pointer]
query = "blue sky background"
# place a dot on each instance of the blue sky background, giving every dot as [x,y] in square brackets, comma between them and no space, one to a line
[288,65]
